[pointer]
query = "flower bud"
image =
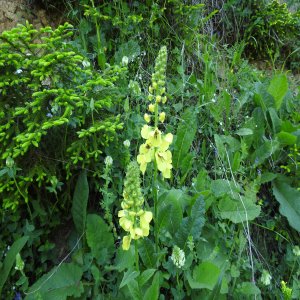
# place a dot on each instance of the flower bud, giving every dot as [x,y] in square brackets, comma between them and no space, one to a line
[108,161]
[158,98]
[151,107]
[162,116]
[147,118]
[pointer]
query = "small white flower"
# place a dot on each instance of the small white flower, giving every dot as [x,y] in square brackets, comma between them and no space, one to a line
[125,61]
[213,100]
[265,277]
[126,143]
[108,161]
[19,71]
[85,63]
[296,250]
[178,257]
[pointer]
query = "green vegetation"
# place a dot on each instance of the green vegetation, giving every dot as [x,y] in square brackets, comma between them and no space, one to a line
[143,157]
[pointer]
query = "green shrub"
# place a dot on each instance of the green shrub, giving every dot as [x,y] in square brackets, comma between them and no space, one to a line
[57,114]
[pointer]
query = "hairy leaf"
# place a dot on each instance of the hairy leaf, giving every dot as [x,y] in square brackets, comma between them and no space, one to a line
[79,204]
[60,283]
[147,253]
[289,199]
[10,259]
[191,225]
[99,238]
[152,292]
[278,88]
[185,135]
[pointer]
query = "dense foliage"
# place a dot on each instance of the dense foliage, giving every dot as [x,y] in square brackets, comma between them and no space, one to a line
[141,159]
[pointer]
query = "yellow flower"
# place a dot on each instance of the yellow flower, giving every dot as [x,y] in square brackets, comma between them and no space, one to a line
[147,118]
[162,117]
[126,242]
[145,220]
[155,137]
[164,162]
[151,108]
[146,156]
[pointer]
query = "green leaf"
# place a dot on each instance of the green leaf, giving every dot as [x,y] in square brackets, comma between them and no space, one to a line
[170,210]
[185,135]
[145,276]
[206,275]
[99,238]
[286,138]
[192,225]
[249,289]
[222,187]
[278,88]
[238,211]
[60,283]
[152,292]
[124,259]
[289,199]
[134,289]
[129,276]
[10,259]
[264,151]
[244,131]
[79,204]
[146,251]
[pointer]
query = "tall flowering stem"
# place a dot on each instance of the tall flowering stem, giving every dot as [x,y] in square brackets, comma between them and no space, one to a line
[156,146]
[133,218]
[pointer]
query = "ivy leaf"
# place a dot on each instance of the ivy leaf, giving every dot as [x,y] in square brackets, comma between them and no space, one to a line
[185,135]
[60,283]
[192,225]
[278,88]
[99,238]
[289,199]
[79,204]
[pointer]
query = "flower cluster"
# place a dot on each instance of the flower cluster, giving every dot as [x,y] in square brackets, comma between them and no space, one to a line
[178,257]
[133,218]
[156,146]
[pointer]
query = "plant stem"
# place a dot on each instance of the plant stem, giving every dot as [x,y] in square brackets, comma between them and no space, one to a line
[26,201]
[136,255]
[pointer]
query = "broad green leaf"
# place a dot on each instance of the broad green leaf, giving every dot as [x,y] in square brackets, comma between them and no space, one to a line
[264,151]
[147,253]
[276,122]
[152,292]
[99,238]
[289,199]
[10,259]
[222,187]
[134,289]
[206,275]
[278,88]
[170,210]
[185,135]
[191,225]
[79,204]
[124,259]
[238,211]
[286,138]
[248,288]
[129,276]
[145,276]
[244,131]
[267,177]
[59,284]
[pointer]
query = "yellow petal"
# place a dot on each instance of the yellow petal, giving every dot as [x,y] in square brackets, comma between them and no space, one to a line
[146,131]
[126,242]
[155,137]
[126,224]
[162,117]
[146,217]
[121,213]
[147,118]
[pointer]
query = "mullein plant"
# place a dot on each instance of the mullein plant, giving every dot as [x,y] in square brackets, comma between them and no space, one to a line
[133,218]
